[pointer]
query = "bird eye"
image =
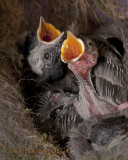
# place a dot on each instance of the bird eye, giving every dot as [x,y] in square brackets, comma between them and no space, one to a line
[90,45]
[103,142]
[46,56]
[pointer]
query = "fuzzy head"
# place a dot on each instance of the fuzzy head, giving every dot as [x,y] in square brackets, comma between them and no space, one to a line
[44,57]
[80,54]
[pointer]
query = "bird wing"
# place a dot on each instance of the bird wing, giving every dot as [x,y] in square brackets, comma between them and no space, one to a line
[116,29]
[56,112]
[116,34]
[109,75]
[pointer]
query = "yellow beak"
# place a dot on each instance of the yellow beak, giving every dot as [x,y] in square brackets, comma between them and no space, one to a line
[47,32]
[72,48]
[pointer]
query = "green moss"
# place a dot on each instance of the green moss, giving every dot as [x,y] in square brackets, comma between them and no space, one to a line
[27,110]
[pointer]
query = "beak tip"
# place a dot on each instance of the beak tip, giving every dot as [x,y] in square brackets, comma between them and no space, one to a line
[42,19]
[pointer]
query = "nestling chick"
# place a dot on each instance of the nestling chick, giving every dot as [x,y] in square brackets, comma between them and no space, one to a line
[54,86]
[99,137]
[99,80]
[102,84]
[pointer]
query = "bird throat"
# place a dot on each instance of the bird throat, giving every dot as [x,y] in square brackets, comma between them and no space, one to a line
[82,68]
[86,106]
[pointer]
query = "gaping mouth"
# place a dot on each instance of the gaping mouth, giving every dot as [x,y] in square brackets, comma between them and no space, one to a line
[72,48]
[47,32]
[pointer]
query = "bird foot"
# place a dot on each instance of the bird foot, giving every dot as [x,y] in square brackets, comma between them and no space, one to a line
[122,106]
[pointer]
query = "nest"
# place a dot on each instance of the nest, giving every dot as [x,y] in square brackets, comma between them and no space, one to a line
[17,132]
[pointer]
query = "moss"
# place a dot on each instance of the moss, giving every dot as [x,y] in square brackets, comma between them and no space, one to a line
[27,110]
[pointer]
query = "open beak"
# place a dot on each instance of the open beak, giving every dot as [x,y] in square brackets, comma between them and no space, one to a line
[46,32]
[72,48]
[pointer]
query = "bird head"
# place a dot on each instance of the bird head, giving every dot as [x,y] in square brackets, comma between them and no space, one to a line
[80,54]
[44,57]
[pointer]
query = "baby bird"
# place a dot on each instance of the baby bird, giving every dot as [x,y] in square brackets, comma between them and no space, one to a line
[100,73]
[49,83]
[102,79]
[104,138]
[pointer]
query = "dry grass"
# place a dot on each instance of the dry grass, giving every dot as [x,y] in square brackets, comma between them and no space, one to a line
[17,133]
[68,11]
